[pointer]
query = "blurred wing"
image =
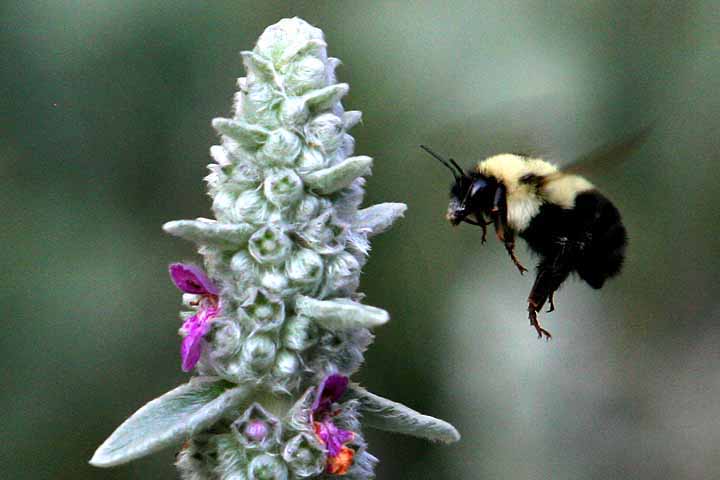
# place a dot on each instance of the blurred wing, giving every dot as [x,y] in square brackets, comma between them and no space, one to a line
[550,126]
[609,155]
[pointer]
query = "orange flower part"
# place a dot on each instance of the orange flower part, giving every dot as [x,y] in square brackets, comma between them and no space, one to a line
[340,463]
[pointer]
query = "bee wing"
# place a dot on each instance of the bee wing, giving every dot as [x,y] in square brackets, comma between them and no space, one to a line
[609,155]
[544,126]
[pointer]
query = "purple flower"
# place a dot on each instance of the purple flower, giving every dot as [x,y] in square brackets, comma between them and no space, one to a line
[332,437]
[256,430]
[191,279]
[330,390]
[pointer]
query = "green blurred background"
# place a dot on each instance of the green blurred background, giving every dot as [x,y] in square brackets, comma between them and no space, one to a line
[104,135]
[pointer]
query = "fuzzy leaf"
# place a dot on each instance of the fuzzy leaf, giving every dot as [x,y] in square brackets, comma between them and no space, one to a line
[341,314]
[210,232]
[247,135]
[220,155]
[325,98]
[351,118]
[333,63]
[378,218]
[332,179]
[299,49]
[169,419]
[258,65]
[384,414]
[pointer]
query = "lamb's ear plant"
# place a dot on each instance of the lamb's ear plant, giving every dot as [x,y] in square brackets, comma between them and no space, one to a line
[273,325]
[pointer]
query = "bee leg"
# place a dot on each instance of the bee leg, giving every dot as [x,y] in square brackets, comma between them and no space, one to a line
[510,247]
[498,212]
[552,272]
[504,233]
[482,224]
[533,309]
[507,236]
[551,301]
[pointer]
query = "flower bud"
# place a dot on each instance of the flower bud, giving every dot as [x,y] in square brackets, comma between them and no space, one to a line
[227,338]
[223,204]
[283,188]
[299,333]
[342,275]
[273,281]
[269,245]
[259,96]
[243,267]
[255,431]
[287,364]
[309,207]
[306,74]
[304,455]
[264,314]
[325,132]
[245,176]
[251,207]
[267,467]
[259,352]
[325,234]
[294,112]
[304,268]
[256,428]
[216,178]
[229,461]
[310,161]
[281,148]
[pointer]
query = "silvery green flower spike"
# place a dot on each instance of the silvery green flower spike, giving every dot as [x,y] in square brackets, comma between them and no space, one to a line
[274,326]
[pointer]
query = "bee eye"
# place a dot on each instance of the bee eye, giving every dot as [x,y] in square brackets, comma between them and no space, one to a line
[477,185]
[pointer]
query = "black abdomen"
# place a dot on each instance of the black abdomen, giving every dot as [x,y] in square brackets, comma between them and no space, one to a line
[589,239]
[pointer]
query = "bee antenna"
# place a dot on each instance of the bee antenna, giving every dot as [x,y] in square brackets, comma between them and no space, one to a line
[459,168]
[446,163]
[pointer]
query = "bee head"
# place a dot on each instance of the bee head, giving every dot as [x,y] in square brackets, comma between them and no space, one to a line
[467,191]
[467,196]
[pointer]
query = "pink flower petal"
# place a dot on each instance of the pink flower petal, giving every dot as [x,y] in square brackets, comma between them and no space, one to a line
[191,279]
[195,329]
[334,438]
[190,351]
[330,390]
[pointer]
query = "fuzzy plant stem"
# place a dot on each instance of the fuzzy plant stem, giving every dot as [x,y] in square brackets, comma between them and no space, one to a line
[273,326]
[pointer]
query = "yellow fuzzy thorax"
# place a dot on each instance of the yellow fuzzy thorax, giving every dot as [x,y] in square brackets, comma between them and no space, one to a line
[524,199]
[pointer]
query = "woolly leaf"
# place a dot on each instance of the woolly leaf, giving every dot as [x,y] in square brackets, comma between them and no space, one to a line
[351,118]
[258,65]
[332,179]
[341,314]
[299,49]
[220,155]
[209,232]
[249,136]
[378,218]
[169,419]
[384,414]
[325,98]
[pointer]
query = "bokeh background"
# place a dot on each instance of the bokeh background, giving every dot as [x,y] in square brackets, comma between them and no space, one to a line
[104,135]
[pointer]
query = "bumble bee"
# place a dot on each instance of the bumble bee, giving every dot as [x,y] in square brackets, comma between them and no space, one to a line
[564,219]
